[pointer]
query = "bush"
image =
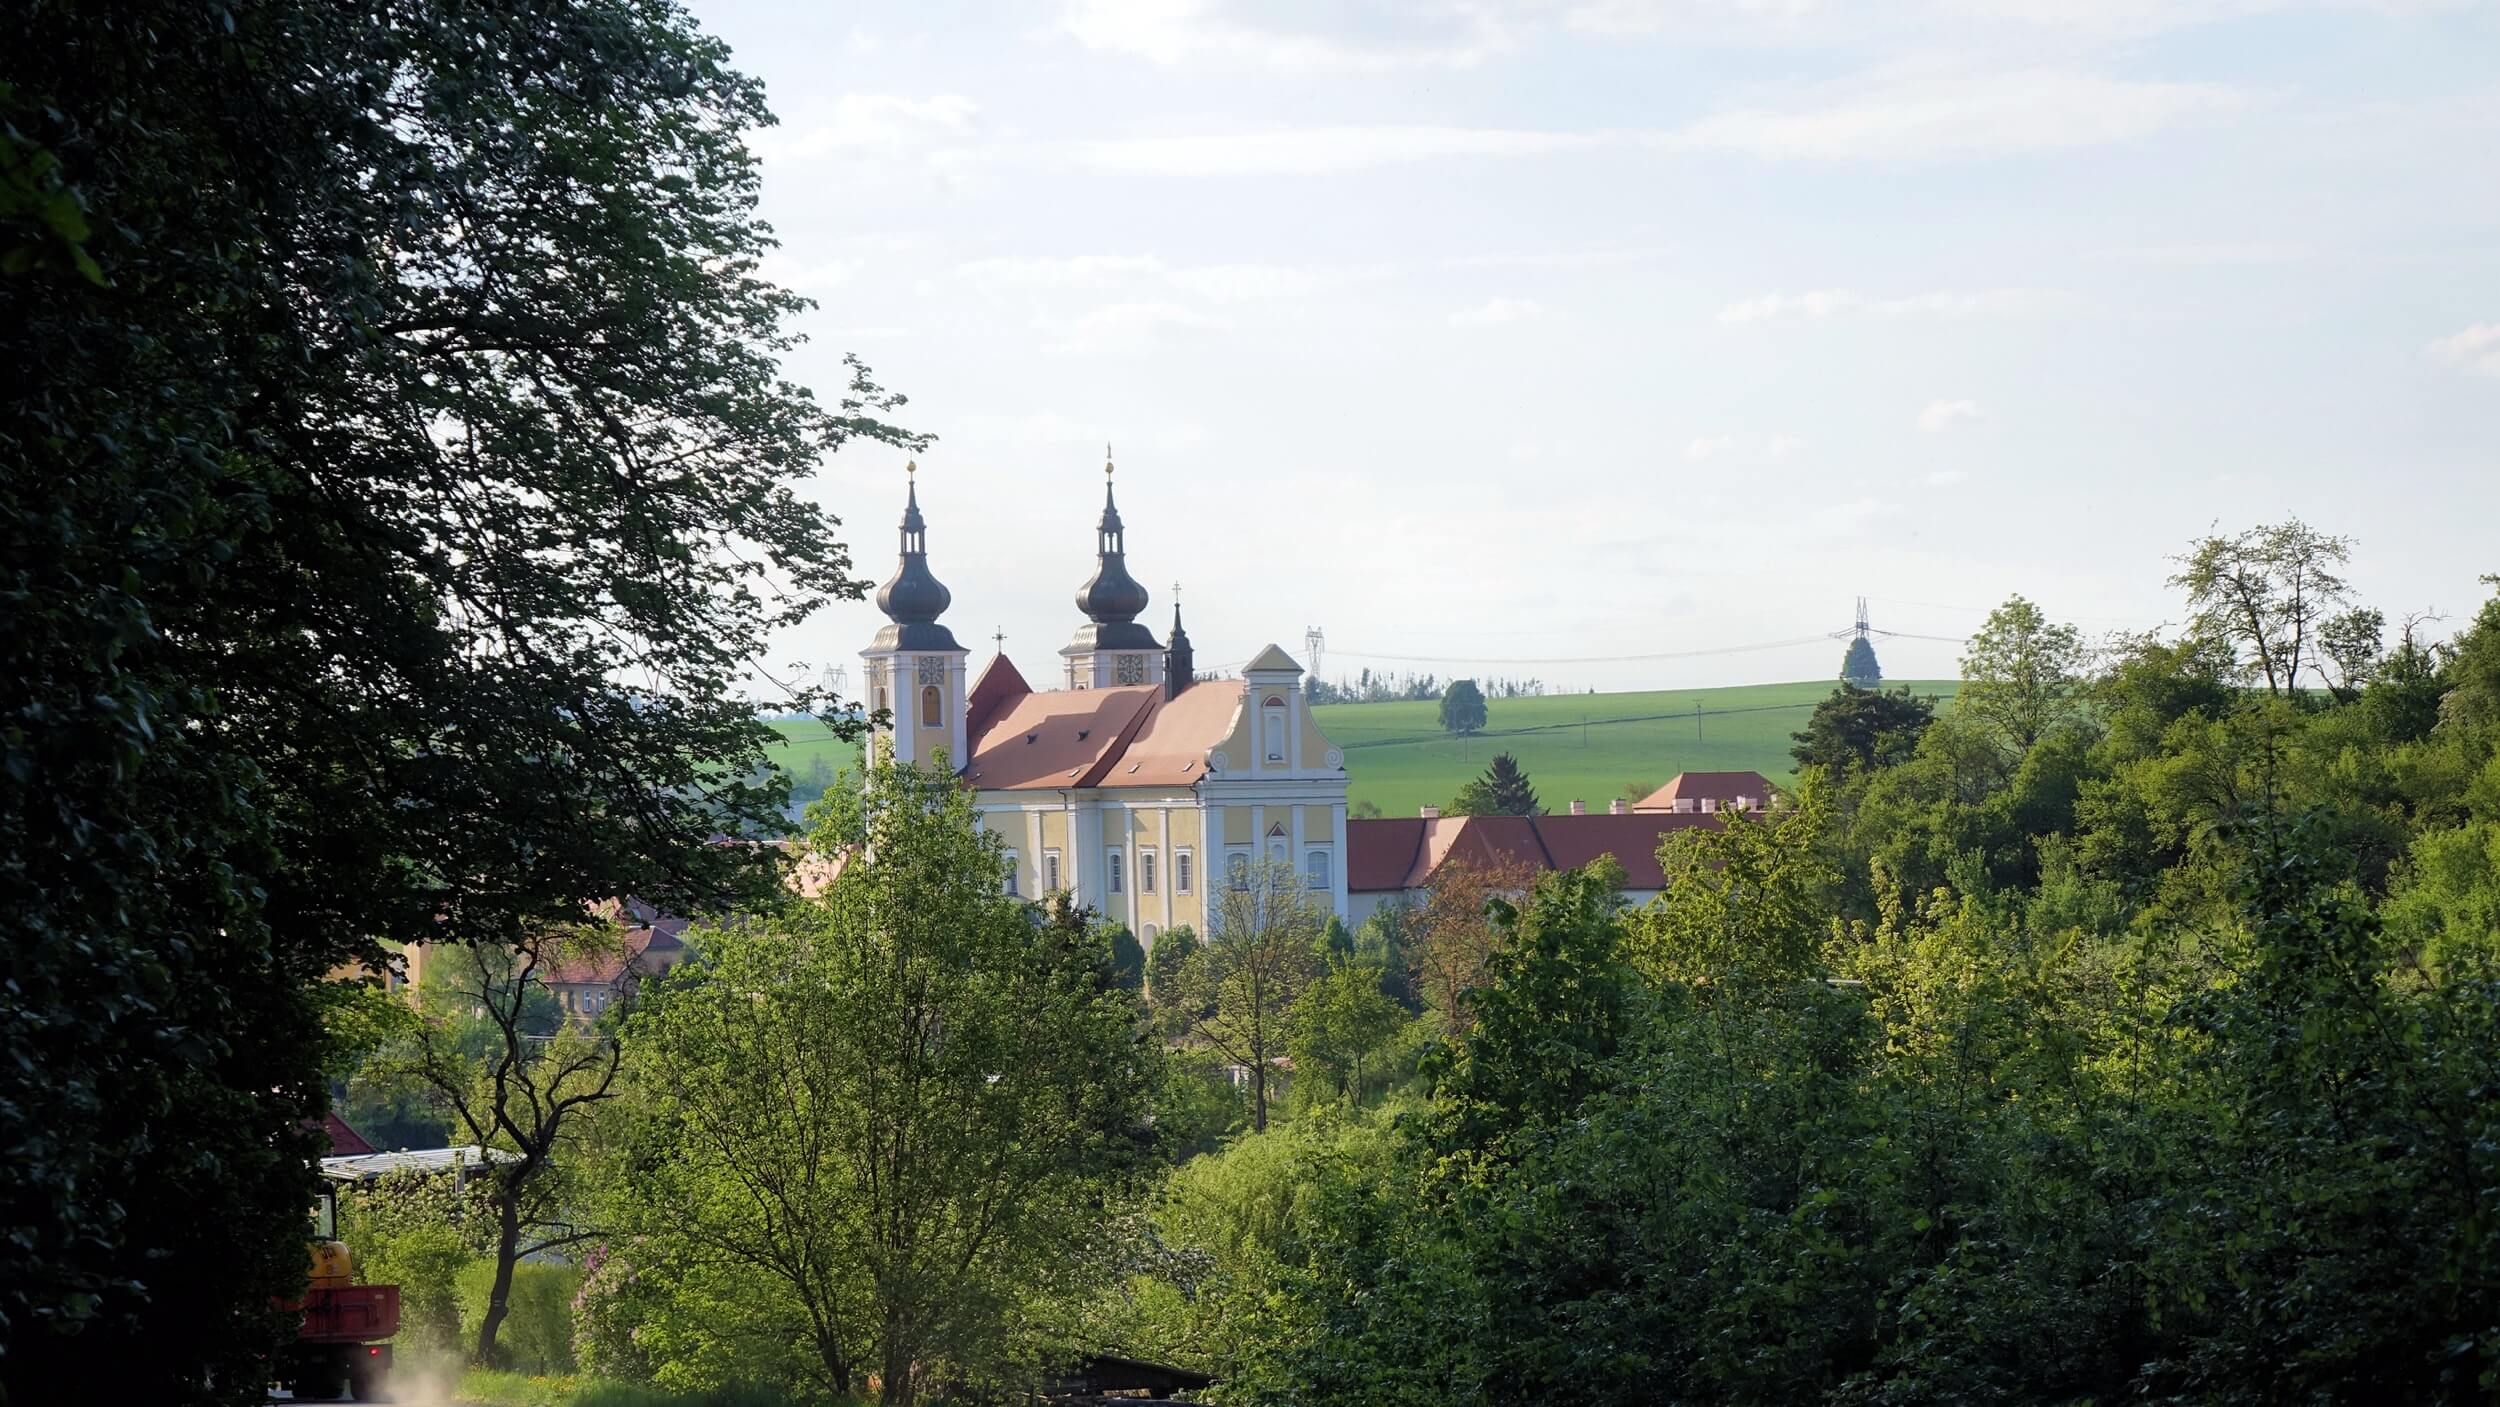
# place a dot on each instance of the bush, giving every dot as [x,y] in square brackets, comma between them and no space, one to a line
[537,1333]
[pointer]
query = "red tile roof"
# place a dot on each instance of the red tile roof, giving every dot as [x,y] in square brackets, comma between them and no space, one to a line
[1000,685]
[345,1142]
[1718,788]
[1134,735]
[1396,853]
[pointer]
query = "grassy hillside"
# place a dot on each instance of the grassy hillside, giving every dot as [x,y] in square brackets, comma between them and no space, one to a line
[1587,747]
[1584,746]
[811,755]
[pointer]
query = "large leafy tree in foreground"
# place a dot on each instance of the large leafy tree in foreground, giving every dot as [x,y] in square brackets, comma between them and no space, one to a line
[878,1123]
[397,483]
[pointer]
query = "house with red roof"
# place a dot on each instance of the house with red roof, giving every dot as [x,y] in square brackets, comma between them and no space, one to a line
[1395,857]
[1711,791]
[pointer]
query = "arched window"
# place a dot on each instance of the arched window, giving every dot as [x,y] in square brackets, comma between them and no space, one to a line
[1114,871]
[1238,865]
[1145,872]
[1272,729]
[1315,869]
[932,711]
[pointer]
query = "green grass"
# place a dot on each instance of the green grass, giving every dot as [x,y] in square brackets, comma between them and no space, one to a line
[809,741]
[1585,747]
[481,1387]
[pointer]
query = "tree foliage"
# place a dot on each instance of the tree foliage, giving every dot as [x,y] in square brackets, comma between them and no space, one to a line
[2273,591]
[2144,1053]
[398,481]
[1236,993]
[1862,728]
[869,1127]
[1858,666]
[2022,675]
[1503,790]
[1462,707]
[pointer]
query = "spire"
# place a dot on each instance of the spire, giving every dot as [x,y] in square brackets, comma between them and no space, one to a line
[913,598]
[1180,666]
[1111,596]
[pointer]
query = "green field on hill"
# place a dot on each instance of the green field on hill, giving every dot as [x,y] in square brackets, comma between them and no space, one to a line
[1587,747]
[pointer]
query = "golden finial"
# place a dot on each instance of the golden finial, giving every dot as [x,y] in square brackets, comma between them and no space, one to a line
[1106,459]
[911,468]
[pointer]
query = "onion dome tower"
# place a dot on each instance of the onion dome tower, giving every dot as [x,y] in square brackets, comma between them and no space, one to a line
[915,674]
[1111,648]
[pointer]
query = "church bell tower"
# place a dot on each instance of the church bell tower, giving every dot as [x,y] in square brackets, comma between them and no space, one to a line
[915,670]
[1111,648]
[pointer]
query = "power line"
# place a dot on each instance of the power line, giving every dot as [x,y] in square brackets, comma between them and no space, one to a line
[1595,659]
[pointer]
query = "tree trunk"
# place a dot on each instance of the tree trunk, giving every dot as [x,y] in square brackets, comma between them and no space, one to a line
[896,1388]
[499,1303]
[1258,1087]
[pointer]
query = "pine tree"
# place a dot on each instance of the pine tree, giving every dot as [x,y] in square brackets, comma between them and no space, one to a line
[1859,667]
[1503,790]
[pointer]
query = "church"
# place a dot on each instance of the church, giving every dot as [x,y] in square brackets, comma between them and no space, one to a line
[1133,784]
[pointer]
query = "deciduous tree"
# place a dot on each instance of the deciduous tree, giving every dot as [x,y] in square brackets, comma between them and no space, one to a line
[397,483]
[2022,675]
[1262,950]
[1462,707]
[875,1123]
[2269,590]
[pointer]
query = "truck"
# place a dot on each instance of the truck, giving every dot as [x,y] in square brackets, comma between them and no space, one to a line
[343,1347]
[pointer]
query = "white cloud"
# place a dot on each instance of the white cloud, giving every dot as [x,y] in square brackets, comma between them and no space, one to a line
[1303,151]
[1820,303]
[2199,255]
[1176,32]
[1944,415]
[2476,349]
[1081,271]
[1765,447]
[1244,283]
[1560,258]
[1128,327]
[1499,312]
[873,124]
[1946,478]
[1217,283]
[1914,115]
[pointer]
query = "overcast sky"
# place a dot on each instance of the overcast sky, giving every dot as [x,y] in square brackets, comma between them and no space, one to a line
[1514,331]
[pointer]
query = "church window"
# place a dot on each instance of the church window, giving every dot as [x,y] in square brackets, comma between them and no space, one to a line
[1011,871]
[932,711]
[880,699]
[1114,871]
[1132,669]
[1238,866]
[1315,869]
[1151,934]
[1274,731]
[1145,872]
[1181,866]
[1050,870]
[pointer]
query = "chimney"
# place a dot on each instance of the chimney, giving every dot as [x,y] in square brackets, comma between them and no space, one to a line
[1579,808]
[1430,813]
[1618,807]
